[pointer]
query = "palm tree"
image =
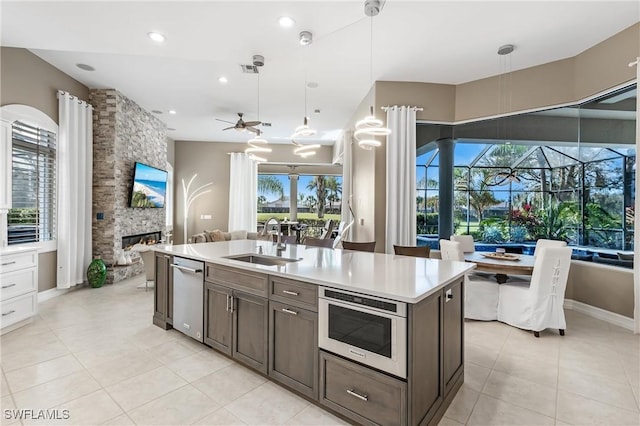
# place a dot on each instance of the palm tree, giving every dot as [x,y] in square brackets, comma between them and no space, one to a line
[319,184]
[269,184]
[310,201]
[335,190]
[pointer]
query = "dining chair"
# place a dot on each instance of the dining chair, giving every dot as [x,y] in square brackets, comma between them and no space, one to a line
[539,305]
[368,246]
[327,229]
[542,243]
[480,293]
[413,251]
[468,245]
[289,239]
[317,242]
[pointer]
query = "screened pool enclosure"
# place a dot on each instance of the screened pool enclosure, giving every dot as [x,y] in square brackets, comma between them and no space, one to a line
[566,173]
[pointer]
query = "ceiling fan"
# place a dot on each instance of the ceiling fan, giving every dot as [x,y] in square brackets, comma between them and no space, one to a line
[242,125]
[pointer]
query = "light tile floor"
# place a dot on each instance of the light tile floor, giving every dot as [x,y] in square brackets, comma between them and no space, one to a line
[95,353]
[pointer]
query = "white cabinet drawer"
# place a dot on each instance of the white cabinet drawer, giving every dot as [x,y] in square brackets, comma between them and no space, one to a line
[16,261]
[15,283]
[18,309]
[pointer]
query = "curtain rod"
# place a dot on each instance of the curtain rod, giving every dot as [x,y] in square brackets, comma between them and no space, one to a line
[385,108]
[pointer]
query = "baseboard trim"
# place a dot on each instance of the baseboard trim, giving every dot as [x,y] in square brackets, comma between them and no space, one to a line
[601,314]
[51,293]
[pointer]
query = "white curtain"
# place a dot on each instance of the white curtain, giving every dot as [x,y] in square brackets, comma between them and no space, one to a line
[636,239]
[401,177]
[74,186]
[243,193]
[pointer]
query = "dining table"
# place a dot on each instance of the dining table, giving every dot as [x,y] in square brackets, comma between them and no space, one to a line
[502,265]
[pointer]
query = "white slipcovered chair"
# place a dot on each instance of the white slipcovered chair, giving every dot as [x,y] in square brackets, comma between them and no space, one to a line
[466,241]
[538,305]
[480,294]
[542,243]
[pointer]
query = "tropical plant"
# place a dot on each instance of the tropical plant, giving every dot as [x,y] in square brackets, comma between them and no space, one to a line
[269,184]
[318,183]
[334,190]
[480,195]
[262,200]
[518,233]
[492,235]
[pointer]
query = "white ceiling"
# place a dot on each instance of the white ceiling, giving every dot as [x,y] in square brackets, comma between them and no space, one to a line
[441,42]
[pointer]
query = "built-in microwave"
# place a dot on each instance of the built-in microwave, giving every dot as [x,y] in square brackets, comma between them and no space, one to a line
[370,330]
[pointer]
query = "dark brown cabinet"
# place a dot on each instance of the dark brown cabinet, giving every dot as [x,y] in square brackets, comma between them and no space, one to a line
[293,347]
[250,329]
[236,323]
[452,335]
[218,324]
[163,293]
[362,394]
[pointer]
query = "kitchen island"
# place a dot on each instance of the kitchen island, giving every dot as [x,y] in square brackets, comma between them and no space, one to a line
[376,338]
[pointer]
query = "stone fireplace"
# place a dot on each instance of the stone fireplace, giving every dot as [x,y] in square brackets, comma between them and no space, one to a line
[123,133]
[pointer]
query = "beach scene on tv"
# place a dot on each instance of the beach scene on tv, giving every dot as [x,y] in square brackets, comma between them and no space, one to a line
[149,187]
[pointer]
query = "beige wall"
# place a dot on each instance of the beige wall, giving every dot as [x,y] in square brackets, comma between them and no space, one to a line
[363,170]
[210,160]
[603,286]
[437,100]
[28,80]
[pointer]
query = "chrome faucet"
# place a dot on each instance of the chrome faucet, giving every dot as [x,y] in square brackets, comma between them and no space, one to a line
[279,244]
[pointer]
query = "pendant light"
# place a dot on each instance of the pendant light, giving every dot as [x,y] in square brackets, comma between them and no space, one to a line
[303,131]
[370,126]
[257,143]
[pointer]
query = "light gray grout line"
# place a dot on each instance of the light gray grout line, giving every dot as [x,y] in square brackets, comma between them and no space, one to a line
[485,381]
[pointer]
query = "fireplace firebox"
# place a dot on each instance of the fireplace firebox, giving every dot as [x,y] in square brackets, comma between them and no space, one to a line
[149,238]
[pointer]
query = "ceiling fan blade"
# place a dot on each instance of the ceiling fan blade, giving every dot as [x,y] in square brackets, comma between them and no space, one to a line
[252,129]
[225,121]
[252,123]
[229,128]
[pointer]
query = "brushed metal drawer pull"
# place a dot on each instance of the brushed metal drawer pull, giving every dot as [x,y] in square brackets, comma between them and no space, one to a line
[8,313]
[9,263]
[357,395]
[10,285]
[289,311]
[292,293]
[227,303]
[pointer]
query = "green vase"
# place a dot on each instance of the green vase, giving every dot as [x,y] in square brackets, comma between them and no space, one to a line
[97,273]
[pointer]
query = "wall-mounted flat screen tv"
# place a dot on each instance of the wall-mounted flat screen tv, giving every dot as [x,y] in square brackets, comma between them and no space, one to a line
[149,186]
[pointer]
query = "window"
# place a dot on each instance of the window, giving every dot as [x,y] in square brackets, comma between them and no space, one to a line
[32,217]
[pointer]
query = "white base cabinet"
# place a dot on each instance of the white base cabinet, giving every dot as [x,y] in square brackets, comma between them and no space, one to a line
[18,286]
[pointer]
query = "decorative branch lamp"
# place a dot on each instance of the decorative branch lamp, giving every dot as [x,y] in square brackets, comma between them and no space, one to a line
[189,198]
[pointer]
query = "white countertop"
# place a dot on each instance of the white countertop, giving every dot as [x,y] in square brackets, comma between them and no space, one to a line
[402,278]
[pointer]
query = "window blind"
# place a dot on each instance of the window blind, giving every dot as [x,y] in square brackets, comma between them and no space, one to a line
[33,214]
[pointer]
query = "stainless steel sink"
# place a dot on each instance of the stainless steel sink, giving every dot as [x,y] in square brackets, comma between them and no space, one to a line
[262,260]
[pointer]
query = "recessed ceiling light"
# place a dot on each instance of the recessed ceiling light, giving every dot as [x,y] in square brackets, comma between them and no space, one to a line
[286,22]
[312,85]
[223,79]
[85,67]
[156,111]
[157,37]
[172,111]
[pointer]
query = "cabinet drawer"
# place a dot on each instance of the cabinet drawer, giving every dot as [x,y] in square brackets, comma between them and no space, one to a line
[296,293]
[360,393]
[17,261]
[18,282]
[18,309]
[237,279]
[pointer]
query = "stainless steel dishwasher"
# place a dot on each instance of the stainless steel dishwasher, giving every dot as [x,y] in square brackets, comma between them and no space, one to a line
[188,297]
